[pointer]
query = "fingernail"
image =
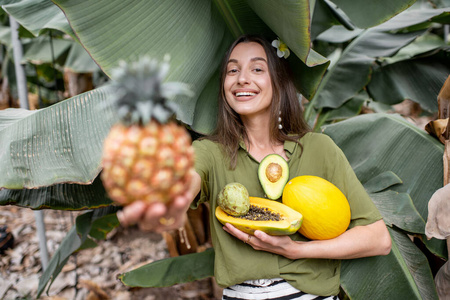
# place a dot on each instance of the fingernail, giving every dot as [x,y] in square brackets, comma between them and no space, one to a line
[120,217]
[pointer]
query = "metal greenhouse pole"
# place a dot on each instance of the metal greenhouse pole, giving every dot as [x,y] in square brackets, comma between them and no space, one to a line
[23,99]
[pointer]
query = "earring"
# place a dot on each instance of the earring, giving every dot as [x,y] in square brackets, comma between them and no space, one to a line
[279,121]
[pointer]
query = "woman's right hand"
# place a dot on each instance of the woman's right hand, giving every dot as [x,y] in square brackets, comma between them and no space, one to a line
[159,217]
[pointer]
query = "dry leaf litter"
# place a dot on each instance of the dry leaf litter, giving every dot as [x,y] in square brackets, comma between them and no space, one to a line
[91,273]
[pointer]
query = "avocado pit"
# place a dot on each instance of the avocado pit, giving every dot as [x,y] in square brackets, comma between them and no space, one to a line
[273,172]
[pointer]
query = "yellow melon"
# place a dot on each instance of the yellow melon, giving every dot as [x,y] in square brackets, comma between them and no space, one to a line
[325,209]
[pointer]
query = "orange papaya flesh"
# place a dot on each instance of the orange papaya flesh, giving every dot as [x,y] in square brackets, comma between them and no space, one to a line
[289,223]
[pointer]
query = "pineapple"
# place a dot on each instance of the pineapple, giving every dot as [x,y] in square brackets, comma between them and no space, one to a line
[147,155]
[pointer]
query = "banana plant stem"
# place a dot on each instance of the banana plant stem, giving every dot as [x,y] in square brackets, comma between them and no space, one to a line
[23,99]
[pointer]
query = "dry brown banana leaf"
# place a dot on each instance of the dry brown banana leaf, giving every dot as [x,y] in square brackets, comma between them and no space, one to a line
[444,100]
[438,226]
[96,292]
[442,279]
[444,104]
[437,128]
[438,223]
[440,128]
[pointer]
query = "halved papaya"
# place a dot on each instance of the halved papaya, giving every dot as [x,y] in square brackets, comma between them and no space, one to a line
[290,220]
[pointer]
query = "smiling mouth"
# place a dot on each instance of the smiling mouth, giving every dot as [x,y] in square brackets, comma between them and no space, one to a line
[244,94]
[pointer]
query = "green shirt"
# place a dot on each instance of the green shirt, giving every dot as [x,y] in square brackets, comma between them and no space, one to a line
[236,261]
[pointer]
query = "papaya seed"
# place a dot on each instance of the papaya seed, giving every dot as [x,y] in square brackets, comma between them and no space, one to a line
[256,213]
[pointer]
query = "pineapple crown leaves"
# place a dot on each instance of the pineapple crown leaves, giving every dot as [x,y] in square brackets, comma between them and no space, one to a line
[140,94]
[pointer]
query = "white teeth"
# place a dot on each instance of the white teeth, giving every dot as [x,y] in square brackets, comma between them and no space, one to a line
[245,94]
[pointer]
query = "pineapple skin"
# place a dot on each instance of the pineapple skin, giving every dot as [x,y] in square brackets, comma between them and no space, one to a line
[151,162]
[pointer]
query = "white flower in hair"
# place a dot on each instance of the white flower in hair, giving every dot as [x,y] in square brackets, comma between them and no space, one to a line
[282,49]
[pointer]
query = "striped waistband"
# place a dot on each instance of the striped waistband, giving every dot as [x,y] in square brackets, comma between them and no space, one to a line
[273,289]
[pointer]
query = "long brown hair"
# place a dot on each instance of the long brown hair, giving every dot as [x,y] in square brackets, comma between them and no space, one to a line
[230,130]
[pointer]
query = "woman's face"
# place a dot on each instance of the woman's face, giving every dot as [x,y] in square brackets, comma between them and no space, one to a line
[247,85]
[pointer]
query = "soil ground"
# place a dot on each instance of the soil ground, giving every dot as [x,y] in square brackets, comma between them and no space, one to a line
[89,270]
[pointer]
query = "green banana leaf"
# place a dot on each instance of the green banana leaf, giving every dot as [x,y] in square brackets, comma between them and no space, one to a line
[91,226]
[396,208]
[377,143]
[352,72]
[58,144]
[41,50]
[352,14]
[322,18]
[63,196]
[422,46]
[403,274]
[5,35]
[349,109]
[199,37]
[380,11]
[339,34]
[238,17]
[9,116]
[393,83]
[171,271]
[416,18]
[37,16]
[294,14]
[5,2]
[79,61]
[443,3]
[354,67]
[66,52]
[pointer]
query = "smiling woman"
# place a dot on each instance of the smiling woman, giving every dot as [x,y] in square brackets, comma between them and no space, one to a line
[248,86]
[256,96]
[252,65]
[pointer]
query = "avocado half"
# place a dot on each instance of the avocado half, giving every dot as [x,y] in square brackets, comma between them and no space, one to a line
[273,174]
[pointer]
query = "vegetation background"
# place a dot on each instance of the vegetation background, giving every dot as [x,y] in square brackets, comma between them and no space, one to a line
[354,62]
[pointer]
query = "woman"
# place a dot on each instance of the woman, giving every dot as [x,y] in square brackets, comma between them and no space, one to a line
[259,114]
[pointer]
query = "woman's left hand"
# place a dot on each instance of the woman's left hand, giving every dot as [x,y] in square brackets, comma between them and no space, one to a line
[359,241]
[159,217]
[262,241]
